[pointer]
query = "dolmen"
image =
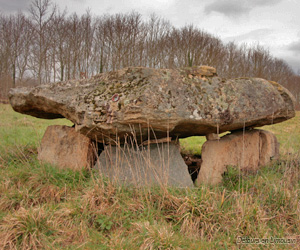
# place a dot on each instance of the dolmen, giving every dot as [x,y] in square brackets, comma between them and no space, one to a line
[131,120]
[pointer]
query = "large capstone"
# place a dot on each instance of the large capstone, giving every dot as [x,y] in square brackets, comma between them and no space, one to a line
[157,103]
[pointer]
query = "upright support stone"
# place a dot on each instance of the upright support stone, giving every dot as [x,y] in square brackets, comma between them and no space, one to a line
[269,147]
[154,164]
[64,147]
[246,150]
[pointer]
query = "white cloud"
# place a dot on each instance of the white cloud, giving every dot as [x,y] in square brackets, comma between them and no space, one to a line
[11,6]
[228,8]
[236,8]
[254,35]
[295,47]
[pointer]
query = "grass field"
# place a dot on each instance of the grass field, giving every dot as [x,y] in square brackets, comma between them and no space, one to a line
[43,207]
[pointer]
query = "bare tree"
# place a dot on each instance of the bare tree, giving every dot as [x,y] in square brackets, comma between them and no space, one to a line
[42,12]
[56,46]
[155,46]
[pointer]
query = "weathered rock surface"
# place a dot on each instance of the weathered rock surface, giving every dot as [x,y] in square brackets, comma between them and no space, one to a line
[64,147]
[247,151]
[212,136]
[170,102]
[155,164]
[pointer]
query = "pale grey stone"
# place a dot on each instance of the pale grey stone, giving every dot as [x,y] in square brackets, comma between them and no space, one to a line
[154,164]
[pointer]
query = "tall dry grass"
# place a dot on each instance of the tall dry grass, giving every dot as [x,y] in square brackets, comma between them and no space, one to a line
[43,207]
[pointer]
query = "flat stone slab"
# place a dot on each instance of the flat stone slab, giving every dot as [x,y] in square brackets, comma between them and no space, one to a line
[62,146]
[155,164]
[157,103]
[244,150]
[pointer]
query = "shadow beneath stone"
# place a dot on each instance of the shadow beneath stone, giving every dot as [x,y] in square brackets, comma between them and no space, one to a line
[193,163]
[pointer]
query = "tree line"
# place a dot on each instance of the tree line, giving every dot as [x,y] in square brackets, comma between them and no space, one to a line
[50,45]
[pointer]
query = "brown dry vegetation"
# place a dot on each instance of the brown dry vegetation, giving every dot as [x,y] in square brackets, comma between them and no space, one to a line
[43,207]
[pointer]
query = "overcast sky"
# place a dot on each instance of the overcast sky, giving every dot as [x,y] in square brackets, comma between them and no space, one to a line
[274,24]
